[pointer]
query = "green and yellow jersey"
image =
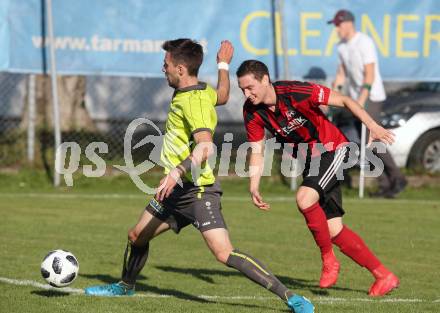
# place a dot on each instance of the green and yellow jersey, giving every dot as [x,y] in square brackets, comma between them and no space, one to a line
[192,110]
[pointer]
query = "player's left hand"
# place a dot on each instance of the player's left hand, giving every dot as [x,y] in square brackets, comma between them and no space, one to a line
[377,132]
[167,185]
[225,52]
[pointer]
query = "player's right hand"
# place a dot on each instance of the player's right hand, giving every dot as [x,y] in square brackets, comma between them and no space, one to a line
[257,199]
[167,184]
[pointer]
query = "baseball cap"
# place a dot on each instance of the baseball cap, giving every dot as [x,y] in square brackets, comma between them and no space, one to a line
[341,16]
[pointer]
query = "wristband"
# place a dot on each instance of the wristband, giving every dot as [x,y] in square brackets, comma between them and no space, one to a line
[223,66]
[185,165]
[366,86]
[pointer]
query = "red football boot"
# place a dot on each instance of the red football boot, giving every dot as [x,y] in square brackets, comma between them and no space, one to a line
[385,282]
[330,270]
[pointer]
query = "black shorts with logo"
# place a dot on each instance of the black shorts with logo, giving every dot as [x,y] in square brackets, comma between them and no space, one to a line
[190,204]
[326,180]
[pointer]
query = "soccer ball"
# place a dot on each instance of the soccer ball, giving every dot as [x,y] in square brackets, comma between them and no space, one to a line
[59,268]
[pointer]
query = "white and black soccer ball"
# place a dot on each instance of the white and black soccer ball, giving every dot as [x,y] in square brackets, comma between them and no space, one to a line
[59,268]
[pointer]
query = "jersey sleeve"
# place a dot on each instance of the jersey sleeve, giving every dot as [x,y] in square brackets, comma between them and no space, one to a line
[199,112]
[254,126]
[214,97]
[320,94]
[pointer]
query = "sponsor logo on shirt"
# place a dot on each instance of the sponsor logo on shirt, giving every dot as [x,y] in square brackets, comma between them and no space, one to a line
[290,114]
[321,95]
[294,122]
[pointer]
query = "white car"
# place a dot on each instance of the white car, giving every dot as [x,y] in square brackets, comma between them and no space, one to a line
[414,116]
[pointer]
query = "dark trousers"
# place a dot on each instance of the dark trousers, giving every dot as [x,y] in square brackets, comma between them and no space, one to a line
[391,172]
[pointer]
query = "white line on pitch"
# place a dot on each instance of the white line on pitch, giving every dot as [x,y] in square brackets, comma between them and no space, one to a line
[224,198]
[38,285]
[324,300]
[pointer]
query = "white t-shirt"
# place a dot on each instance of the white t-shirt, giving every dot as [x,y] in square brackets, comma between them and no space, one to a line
[354,55]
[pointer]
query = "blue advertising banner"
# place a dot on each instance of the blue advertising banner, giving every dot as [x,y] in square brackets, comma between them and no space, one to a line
[113,37]
[406,34]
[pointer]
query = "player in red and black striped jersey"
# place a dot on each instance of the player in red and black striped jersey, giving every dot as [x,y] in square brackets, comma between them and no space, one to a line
[290,111]
[296,117]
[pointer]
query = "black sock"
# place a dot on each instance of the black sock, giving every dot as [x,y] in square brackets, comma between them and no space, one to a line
[254,270]
[134,264]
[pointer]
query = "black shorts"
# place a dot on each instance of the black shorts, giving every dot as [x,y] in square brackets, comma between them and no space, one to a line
[190,204]
[326,180]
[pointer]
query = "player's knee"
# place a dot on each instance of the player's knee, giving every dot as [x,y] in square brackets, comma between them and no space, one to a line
[335,227]
[222,255]
[305,199]
[335,230]
[132,236]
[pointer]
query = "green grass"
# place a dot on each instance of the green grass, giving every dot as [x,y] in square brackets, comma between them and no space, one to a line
[35,218]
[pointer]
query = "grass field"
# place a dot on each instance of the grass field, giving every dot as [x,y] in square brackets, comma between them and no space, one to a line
[181,275]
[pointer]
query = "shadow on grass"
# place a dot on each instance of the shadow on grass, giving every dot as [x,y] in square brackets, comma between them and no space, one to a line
[294,284]
[50,293]
[107,279]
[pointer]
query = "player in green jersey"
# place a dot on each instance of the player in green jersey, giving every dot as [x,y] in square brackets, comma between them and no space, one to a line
[187,144]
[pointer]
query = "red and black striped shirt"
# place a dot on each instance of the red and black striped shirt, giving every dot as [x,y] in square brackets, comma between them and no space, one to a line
[297,117]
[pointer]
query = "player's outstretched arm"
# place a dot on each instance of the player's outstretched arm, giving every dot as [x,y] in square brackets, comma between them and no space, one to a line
[224,57]
[377,132]
[256,162]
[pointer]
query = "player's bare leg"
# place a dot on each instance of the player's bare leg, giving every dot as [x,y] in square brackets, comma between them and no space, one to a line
[308,203]
[335,226]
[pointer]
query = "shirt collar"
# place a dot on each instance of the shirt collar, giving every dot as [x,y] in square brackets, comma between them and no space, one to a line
[199,86]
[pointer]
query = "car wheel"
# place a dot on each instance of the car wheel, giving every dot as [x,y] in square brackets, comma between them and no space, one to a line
[425,153]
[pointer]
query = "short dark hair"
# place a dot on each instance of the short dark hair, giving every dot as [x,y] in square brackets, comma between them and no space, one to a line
[185,51]
[259,69]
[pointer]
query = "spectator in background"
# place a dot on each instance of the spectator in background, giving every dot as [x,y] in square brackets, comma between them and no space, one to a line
[359,68]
